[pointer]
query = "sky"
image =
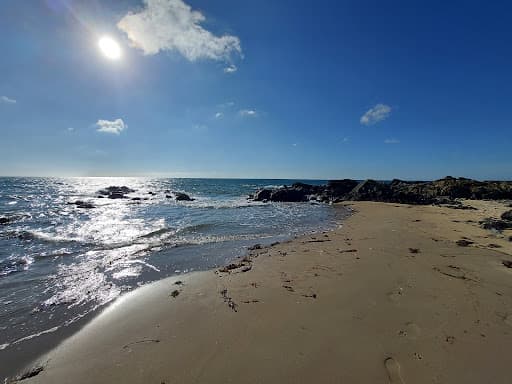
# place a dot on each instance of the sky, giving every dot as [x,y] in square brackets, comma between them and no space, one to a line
[256,89]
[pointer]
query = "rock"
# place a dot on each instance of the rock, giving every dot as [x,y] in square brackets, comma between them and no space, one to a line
[262,194]
[136,198]
[339,188]
[82,204]
[4,220]
[180,196]
[510,238]
[370,190]
[116,195]
[114,192]
[289,194]
[441,192]
[112,189]
[496,224]
[507,215]
[507,263]
[254,247]
[464,243]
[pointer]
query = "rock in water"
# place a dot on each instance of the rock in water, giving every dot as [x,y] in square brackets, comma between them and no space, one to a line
[114,192]
[443,191]
[180,196]
[262,194]
[82,204]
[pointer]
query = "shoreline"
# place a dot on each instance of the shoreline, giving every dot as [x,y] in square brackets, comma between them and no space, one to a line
[392,283]
[17,356]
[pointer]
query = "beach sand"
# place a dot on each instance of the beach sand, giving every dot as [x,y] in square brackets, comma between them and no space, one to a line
[387,298]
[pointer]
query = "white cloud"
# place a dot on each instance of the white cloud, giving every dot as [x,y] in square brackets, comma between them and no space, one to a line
[172,25]
[294,144]
[230,69]
[374,115]
[115,127]
[7,100]
[346,139]
[219,115]
[391,141]
[228,104]
[248,113]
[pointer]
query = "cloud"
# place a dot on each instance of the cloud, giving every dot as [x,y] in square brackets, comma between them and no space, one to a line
[391,141]
[172,25]
[346,139]
[248,113]
[230,69]
[374,115]
[228,104]
[115,127]
[7,100]
[219,115]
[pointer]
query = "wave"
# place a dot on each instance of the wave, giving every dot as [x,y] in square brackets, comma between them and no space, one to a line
[13,265]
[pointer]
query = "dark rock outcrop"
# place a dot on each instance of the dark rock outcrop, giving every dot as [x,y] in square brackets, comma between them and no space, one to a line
[179,196]
[443,191]
[114,192]
[4,220]
[496,224]
[507,216]
[82,204]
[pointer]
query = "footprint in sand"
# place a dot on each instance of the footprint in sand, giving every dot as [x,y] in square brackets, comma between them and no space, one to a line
[508,320]
[393,369]
[413,331]
[396,294]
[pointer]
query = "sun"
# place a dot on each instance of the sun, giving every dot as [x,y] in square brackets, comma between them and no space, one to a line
[110,48]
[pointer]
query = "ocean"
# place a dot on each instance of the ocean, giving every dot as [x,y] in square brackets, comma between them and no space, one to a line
[60,262]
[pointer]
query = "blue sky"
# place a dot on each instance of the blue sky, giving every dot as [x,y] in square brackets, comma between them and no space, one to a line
[270,89]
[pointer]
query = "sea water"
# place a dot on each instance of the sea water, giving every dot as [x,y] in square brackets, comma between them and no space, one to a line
[59,262]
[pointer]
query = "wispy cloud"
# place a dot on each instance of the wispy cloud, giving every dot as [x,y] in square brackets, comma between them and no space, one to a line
[230,69]
[7,100]
[345,139]
[374,115]
[391,141]
[114,127]
[248,113]
[172,25]
[219,115]
[227,104]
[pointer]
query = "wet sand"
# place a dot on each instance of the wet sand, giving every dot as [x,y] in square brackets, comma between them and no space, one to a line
[388,298]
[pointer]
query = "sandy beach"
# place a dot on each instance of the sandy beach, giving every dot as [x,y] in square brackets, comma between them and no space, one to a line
[392,296]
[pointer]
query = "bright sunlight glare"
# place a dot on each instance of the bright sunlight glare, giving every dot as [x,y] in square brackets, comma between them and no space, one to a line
[110,48]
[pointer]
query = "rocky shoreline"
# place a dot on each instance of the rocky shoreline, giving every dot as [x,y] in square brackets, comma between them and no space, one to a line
[445,191]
